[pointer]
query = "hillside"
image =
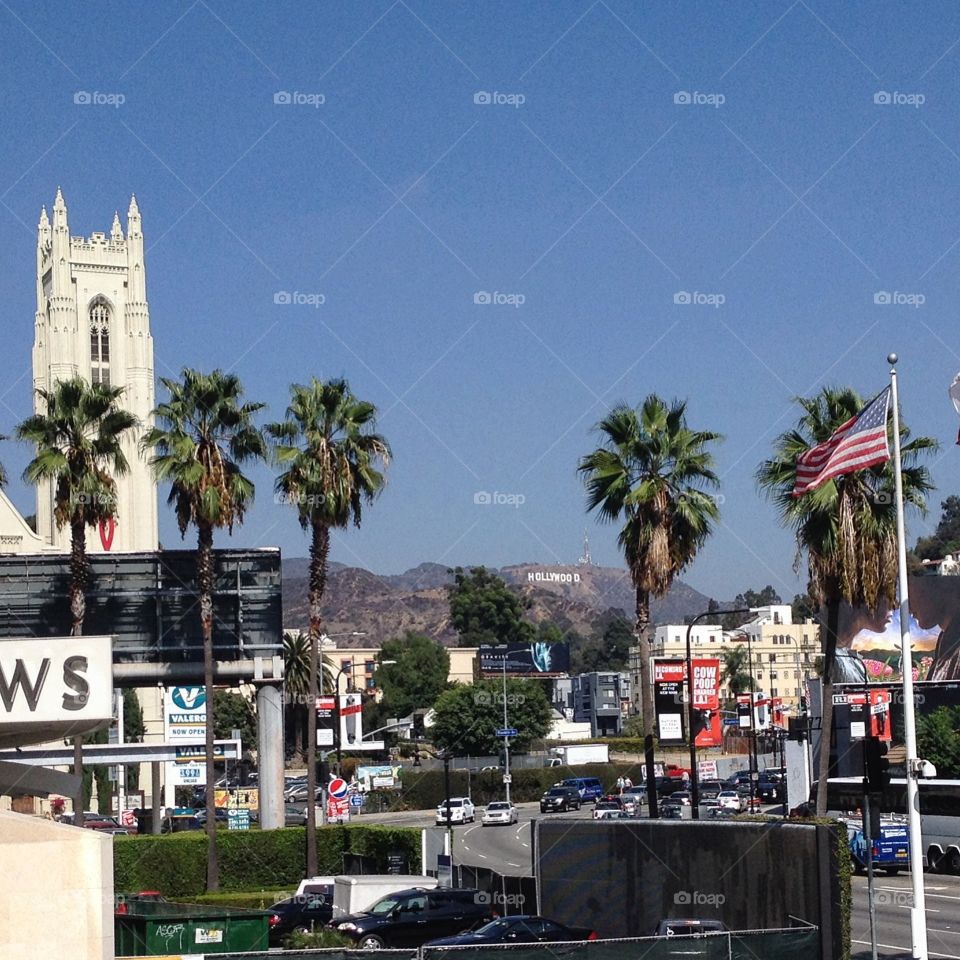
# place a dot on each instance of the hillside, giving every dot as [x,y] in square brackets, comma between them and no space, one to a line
[382,607]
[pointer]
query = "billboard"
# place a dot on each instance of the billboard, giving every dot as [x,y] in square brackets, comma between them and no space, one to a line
[705,692]
[185,724]
[868,643]
[668,681]
[524,659]
[351,720]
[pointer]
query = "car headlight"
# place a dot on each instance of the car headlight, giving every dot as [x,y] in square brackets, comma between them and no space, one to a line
[348,926]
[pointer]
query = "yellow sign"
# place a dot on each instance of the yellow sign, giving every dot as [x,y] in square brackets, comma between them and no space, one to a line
[242,798]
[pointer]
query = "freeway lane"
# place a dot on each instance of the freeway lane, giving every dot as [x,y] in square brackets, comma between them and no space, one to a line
[893,900]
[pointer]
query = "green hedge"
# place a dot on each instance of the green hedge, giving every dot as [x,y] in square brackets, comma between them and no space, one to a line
[176,864]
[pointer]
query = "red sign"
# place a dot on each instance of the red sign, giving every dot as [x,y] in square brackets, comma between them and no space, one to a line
[338,788]
[711,735]
[669,671]
[706,685]
[776,712]
[338,809]
[880,725]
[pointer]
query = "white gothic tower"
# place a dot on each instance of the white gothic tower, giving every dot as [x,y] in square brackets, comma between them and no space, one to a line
[93,321]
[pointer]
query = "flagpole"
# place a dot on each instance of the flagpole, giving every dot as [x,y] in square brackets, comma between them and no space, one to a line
[918,913]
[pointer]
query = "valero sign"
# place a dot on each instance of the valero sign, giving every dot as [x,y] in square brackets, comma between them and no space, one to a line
[53,687]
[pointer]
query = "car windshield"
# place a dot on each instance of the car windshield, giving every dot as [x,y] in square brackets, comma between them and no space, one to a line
[385,906]
[498,806]
[557,792]
[453,803]
[494,927]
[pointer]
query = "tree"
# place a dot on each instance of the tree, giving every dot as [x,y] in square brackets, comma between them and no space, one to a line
[484,610]
[296,684]
[417,676]
[467,716]
[736,670]
[846,527]
[749,599]
[233,711]
[608,649]
[804,607]
[329,457]
[79,450]
[946,538]
[938,740]
[133,731]
[204,434]
[651,473]
[79,440]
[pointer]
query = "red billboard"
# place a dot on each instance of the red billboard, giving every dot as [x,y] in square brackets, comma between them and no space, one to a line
[706,684]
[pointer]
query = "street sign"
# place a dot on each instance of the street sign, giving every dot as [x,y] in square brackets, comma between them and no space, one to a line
[507,732]
[729,721]
[356,800]
[508,778]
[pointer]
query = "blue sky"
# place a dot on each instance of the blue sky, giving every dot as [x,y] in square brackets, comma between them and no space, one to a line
[781,196]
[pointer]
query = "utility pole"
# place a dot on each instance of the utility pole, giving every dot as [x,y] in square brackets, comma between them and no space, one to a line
[506,739]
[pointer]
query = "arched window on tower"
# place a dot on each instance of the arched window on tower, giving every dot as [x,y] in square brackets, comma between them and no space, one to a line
[100,342]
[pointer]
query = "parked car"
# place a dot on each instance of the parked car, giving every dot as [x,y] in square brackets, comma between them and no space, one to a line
[633,798]
[500,812]
[589,788]
[707,805]
[688,928]
[302,913]
[299,792]
[293,816]
[731,800]
[409,918]
[561,798]
[517,929]
[680,796]
[461,809]
[710,788]
[606,807]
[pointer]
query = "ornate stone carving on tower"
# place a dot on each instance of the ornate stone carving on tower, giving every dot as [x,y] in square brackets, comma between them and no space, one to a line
[93,321]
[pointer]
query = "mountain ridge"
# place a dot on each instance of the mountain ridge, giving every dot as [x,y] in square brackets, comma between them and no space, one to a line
[382,606]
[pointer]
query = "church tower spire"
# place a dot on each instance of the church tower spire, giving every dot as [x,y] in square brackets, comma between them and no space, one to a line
[93,321]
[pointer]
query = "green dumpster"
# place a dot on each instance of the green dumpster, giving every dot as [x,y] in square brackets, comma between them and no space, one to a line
[144,928]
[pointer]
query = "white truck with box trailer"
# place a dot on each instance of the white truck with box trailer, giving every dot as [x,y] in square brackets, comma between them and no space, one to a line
[577,754]
[354,894]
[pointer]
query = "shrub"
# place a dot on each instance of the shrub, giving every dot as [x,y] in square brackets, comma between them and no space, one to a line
[250,859]
[317,939]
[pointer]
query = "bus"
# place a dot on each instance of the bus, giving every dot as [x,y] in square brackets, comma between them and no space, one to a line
[939,814]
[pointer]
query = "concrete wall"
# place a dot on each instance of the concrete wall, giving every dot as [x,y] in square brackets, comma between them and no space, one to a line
[57,890]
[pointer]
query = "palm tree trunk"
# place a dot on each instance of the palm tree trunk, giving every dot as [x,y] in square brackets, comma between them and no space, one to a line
[205,589]
[78,576]
[78,610]
[642,628]
[319,553]
[826,705]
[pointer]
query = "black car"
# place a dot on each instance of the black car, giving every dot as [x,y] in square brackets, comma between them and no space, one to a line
[409,918]
[560,799]
[304,913]
[710,788]
[517,929]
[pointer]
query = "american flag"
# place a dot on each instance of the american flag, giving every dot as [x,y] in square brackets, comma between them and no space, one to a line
[861,442]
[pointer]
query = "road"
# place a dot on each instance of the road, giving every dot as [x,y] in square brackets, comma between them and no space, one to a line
[508,851]
[893,899]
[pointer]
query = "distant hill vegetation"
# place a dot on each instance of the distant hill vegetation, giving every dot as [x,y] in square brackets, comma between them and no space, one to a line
[382,607]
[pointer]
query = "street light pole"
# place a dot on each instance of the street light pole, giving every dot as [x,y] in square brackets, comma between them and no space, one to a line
[694,776]
[506,739]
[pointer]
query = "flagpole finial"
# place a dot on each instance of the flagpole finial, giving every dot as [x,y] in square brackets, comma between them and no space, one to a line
[892,358]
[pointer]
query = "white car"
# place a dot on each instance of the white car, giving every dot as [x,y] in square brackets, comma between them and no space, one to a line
[731,800]
[633,799]
[462,810]
[500,812]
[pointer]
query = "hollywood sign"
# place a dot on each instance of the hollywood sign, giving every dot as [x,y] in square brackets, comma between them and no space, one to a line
[552,576]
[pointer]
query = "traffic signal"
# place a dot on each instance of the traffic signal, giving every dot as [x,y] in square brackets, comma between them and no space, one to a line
[877,764]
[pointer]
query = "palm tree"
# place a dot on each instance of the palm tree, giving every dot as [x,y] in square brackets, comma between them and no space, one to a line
[736,672]
[296,681]
[328,455]
[204,433]
[846,528]
[79,450]
[651,473]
